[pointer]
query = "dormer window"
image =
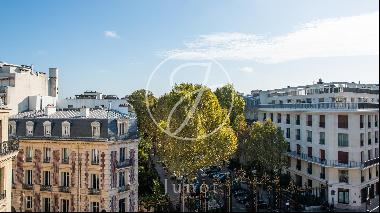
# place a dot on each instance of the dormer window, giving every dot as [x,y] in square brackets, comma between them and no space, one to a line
[47,128]
[95,129]
[122,127]
[65,129]
[29,128]
[12,128]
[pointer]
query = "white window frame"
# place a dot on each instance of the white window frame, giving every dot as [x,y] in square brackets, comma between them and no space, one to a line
[12,128]
[66,129]
[95,129]
[29,177]
[29,152]
[47,153]
[95,156]
[47,128]
[29,128]
[65,203]
[29,202]
[95,180]
[65,154]
[65,179]
[95,206]
[48,203]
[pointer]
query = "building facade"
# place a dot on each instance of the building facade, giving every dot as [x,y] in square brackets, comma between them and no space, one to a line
[333,134]
[23,89]
[75,161]
[8,150]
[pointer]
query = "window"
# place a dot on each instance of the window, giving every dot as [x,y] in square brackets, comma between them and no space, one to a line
[309,120]
[12,128]
[29,154]
[271,117]
[321,100]
[65,129]
[322,139]
[121,179]
[47,128]
[369,121]
[323,173]
[287,118]
[322,122]
[95,181]
[46,176]
[361,139]
[376,136]
[46,204]
[122,154]
[343,121]
[310,168]
[47,152]
[94,157]
[376,152]
[29,202]
[65,155]
[369,154]
[369,138]
[342,157]
[376,120]
[298,149]
[361,121]
[310,152]
[122,128]
[264,116]
[95,129]
[29,128]
[362,156]
[29,177]
[64,205]
[287,132]
[370,173]
[278,118]
[309,136]
[298,134]
[322,154]
[343,196]
[343,176]
[342,140]
[65,179]
[95,206]
[298,166]
[298,119]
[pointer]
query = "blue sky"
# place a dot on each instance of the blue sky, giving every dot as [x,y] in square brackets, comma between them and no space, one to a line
[113,46]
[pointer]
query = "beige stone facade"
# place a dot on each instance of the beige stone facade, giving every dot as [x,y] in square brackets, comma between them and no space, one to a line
[69,175]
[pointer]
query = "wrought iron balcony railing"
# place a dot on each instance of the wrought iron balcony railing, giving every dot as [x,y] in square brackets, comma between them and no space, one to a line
[124,188]
[329,106]
[124,164]
[28,186]
[45,188]
[8,147]
[93,191]
[65,189]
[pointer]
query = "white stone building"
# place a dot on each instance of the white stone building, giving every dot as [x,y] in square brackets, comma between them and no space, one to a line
[23,89]
[333,135]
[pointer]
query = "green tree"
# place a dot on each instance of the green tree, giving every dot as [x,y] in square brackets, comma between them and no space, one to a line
[265,146]
[199,108]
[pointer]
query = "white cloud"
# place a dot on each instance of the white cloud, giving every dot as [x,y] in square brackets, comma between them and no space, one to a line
[344,36]
[111,34]
[247,69]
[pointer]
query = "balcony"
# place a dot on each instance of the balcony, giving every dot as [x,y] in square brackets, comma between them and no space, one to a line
[3,195]
[309,139]
[322,175]
[124,164]
[323,106]
[28,186]
[95,162]
[310,171]
[28,159]
[343,178]
[93,191]
[45,188]
[47,160]
[64,189]
[124,188]
[331,163]
[65,160]
[8,147]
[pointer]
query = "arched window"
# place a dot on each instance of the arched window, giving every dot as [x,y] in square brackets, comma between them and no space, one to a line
[65,129]
[47,128]
[29,128]
[95,129]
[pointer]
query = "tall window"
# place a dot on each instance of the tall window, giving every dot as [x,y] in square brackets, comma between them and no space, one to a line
[343,176]
[287,132]
[121,179]
[95,156]
[343,121]
[29,202]
[47,152]
[122,126]
[298,134]
[322,138]
[309,136]
[47,128]
[369,138]
[65,155]
[343,196]
[298,119]
[95,206]
[369,121]
[46,176]
[65,129]
[12,128]
[29,154]
[65,205]
[322,122]
[46,204]
[361,121]
[278,117]
[309,120]
[342,157]
[264,116]
[342,139]
[287,118]
[376,136]
[29,128]
[271,117]
[376,120]
[361,139]
[29,177]
[122,154]
[95,181]
[65,179]
[95,128]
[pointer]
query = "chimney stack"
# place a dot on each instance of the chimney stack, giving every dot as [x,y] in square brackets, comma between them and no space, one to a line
[85,112]
[50,109]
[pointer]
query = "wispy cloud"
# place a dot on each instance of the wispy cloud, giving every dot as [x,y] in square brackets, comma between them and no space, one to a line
[344,36]
[247,69]
[111,34]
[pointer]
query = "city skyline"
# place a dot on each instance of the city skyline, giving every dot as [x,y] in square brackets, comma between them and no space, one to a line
[115,53]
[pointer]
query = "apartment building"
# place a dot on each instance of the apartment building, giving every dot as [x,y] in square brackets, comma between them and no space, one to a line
[78,160]
[8,150]
[23,89]
[333,135]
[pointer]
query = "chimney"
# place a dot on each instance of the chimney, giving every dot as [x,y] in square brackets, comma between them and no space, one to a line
[50,109]
[85,112]
[53,82]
